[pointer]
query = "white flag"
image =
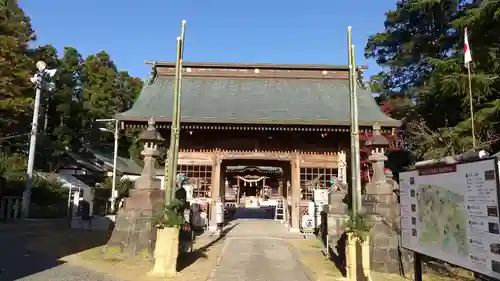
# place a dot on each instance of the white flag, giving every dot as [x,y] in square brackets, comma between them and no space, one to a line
[467,52]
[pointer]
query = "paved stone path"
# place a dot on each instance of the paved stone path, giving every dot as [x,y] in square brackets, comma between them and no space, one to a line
[255,250]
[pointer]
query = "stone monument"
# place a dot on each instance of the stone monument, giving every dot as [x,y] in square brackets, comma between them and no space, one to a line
[381,204]
[336,216]
[134,234]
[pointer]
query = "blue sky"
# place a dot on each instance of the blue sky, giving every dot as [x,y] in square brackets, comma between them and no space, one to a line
[263,31]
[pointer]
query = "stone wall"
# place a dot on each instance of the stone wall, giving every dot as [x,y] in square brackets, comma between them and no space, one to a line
[381,206]
[386,254]
[335,219]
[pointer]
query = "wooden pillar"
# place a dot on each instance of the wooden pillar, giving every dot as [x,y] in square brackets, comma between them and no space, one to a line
[295,182]
[238,193]
[215,190]
[280,188]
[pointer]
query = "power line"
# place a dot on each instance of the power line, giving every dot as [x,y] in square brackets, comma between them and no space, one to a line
[47,134]
[14,136]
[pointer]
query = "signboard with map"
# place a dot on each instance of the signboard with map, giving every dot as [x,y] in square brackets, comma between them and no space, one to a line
[451,213]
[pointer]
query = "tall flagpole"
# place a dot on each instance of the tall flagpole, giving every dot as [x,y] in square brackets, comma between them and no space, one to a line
[355,132]
[355,165]
[173,151]
[471,100]
[352,154]
[467,61]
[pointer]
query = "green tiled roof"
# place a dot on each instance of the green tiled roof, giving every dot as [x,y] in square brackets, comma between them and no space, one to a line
[256,101]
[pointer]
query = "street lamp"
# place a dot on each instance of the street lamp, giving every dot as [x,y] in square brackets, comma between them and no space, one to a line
[114,193]
[41,81]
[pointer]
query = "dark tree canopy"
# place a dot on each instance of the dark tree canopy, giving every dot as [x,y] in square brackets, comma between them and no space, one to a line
[86,89]
[421,52]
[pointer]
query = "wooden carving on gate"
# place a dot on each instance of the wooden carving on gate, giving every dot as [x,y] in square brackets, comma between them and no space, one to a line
[255,154]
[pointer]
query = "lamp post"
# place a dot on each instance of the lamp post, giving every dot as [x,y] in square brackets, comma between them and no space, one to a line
[114,193]
[41,80]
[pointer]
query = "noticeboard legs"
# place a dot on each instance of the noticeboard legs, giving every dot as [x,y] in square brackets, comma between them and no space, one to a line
[417,266]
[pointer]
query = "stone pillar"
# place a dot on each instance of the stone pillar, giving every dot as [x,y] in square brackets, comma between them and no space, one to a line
[380,203]
[335,220]
[134,234]
[216,194]
[295,190]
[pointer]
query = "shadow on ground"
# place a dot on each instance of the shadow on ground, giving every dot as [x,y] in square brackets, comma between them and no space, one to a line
[30,247]
[338,257]
[188,258]
[263,213]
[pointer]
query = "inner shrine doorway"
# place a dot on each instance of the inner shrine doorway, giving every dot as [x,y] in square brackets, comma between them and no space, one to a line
[254,182]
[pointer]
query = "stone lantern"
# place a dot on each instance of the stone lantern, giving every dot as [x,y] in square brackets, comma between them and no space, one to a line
[134,234]
[380,203]
[378,145]
[151,139]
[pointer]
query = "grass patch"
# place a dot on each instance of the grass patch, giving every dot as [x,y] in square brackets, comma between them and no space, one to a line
[306,244]
[325,270]
[311,256]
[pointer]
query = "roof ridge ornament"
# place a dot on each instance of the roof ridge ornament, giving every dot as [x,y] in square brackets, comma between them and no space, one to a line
[376,129]
[151,123]
[153,73]
[360,77]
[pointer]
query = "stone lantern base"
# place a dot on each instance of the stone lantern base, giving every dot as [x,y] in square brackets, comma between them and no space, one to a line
[385,251]
[134,234]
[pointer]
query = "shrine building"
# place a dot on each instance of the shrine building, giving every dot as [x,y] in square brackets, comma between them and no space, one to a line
[251,133]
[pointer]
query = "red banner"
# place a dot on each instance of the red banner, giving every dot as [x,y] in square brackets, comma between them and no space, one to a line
[438,170]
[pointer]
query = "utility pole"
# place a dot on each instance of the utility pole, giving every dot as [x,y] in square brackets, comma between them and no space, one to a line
[173,151]
[41,80]
[114,192]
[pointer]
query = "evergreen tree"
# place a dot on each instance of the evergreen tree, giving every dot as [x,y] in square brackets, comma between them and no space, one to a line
[421,51]
[16,91]
[68,111]
[100,93]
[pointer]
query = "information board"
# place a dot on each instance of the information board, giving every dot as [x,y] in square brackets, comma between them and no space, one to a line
[451,213]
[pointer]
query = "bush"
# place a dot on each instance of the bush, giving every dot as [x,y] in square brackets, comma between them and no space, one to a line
[48,191]
[122,186]
[171,215]
[49,198]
